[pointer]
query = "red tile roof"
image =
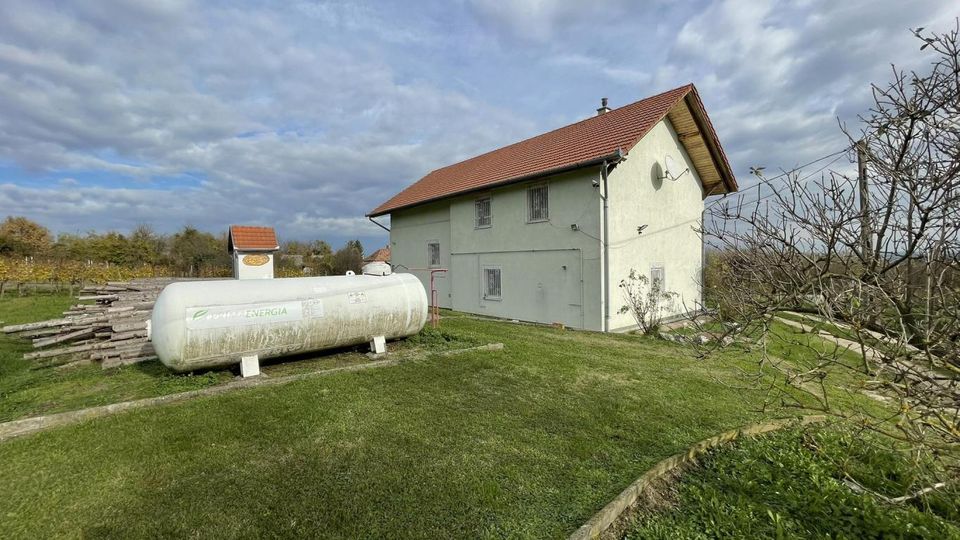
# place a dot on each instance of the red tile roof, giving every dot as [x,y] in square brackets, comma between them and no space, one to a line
[246,238]
[574,146]
[380,255]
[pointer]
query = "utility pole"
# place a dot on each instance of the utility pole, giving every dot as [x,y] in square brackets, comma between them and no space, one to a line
[866,234]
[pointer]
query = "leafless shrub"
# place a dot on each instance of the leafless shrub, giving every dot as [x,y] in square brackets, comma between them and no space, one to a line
[645,301]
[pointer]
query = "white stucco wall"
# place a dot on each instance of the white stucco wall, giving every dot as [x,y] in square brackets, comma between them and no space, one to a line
[669,209]
[242,270]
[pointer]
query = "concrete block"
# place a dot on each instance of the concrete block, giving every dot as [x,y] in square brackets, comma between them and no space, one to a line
[378,345]
[249,366]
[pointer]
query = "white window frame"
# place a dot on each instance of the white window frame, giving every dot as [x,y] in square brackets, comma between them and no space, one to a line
[476,212]
[430,263]
[546,203]
[484,283]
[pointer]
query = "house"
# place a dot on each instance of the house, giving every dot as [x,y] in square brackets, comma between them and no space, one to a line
[380,255]
[545,229]
[253,249]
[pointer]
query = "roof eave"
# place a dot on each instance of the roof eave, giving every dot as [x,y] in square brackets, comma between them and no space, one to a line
[711,139]
[236,248]
[614,156]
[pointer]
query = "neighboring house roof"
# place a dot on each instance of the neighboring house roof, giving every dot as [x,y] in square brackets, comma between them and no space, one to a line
[585,143]
[380,255]
[247,238]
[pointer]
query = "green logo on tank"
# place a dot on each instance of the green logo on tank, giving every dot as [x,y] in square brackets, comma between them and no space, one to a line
[200,313]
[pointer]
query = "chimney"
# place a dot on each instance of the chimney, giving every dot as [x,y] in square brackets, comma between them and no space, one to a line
[603,107]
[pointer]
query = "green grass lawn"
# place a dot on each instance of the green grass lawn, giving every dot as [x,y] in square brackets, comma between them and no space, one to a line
[27,388]
[791,485]
[525,442]
[35,387]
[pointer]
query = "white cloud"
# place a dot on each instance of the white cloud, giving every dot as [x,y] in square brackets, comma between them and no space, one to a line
[775,76]
[612,70]
[174,112]
[235,97]
[542,20]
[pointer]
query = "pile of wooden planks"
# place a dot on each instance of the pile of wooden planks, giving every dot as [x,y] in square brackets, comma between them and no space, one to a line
[109,326]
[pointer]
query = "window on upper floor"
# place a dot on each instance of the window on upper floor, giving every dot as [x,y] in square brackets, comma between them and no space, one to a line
[433,253]
[482,211]
[538,204]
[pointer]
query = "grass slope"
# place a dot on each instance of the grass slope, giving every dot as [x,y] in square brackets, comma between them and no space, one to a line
[790,485]
[526,442]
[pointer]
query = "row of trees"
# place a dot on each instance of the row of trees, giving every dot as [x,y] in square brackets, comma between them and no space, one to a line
[30,250]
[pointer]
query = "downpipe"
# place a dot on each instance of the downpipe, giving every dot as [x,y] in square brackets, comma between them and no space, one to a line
[605,169]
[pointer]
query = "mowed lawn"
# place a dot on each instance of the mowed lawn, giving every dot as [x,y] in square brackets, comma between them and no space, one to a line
[529,441]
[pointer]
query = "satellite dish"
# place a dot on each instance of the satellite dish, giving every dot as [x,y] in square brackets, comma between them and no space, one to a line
[671,169]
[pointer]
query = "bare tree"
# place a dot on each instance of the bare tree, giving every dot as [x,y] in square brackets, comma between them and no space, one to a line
[870,257]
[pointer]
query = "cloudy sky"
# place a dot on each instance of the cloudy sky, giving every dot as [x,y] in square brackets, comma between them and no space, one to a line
[306,115]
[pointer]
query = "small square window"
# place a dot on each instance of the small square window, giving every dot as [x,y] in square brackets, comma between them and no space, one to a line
[491,283]
[538,207]
[433,254]
[483,216]
[657,278]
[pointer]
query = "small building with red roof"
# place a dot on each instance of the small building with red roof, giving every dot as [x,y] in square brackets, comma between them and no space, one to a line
[253,249]
[380,255]
[546,228]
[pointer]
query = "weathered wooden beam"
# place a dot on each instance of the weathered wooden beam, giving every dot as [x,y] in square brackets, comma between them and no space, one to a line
[99,297]
[58,352]
[63,337]
[128,326]
[120,336]
[34,326]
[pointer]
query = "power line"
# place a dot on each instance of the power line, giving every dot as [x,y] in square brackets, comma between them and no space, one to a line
[799,167]
[799,180]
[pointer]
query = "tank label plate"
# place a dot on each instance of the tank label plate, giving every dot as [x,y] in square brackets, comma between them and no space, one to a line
[313,308]
[243,314]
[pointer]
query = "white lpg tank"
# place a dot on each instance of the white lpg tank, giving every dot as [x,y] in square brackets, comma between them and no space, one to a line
[202,324]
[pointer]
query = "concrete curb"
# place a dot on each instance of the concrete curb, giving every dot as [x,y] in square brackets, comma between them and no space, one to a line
[26,426]
[602,524]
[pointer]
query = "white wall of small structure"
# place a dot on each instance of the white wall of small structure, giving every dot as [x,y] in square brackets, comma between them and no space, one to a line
[244,269]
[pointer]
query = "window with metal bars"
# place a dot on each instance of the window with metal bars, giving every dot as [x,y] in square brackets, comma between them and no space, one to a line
[657,278]
[433,253]
[538,207]
[491,283]
[484,219]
